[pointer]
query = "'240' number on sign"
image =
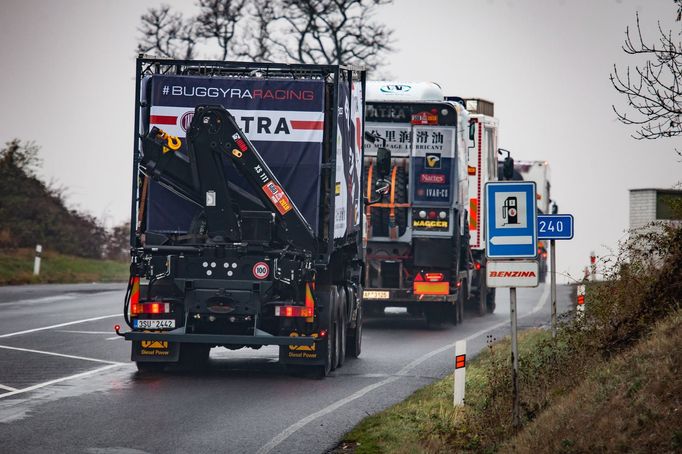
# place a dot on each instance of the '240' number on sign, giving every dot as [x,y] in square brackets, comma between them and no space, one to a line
[549,227]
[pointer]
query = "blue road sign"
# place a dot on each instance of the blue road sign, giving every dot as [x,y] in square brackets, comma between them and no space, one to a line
[511,227]
[555,226]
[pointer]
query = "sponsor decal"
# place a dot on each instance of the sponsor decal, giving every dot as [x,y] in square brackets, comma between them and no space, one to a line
[430,224]
[263,125]
[512,274]
[154,344]
[432,178]
[186,120]
[395,88]
[433,160]
[261,270]
[304,348]
[424,118]
[240,142]
[238,93]
[277,197]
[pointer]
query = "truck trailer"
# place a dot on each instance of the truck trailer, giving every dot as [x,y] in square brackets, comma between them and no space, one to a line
[247,194]
[417,255]
[482,168]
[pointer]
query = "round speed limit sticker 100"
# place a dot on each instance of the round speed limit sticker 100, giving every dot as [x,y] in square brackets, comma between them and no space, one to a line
[261,270]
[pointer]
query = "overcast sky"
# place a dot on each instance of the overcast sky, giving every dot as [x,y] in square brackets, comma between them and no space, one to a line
[67,77]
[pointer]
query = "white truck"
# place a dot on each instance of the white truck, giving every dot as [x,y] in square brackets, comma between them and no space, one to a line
[539,172]
[482,168]
[417,251]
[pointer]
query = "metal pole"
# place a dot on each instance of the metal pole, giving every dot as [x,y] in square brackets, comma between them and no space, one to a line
[515,358]
[553,284]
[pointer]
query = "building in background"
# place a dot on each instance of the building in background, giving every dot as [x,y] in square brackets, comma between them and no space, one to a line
[649,205]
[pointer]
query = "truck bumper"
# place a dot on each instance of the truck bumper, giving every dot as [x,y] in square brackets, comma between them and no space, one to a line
[179,335]
[395,296]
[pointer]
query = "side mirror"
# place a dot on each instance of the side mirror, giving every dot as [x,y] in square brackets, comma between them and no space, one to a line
[383,162]
[369,137]
[507,165]
[555,207]
[472,131]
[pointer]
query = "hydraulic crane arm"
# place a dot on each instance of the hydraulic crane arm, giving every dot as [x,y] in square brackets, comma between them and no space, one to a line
[213,134]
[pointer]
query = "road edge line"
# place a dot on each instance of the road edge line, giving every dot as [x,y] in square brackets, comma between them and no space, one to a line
[286,433]
[2,336]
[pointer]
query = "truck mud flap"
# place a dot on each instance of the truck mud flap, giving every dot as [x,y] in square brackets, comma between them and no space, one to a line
[303,354]
[155,351]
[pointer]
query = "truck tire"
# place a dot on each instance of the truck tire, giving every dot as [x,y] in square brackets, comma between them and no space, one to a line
[150,367]
[354,339]
[436,313]
[482,296]
[490,301]
[327,297]
[341,339]
[194,356]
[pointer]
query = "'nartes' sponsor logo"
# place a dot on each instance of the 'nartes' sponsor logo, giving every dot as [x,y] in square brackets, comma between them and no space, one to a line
[432,178]
[512,274]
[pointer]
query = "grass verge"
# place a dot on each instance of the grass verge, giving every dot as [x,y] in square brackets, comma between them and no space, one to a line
[16,267]
[610,381]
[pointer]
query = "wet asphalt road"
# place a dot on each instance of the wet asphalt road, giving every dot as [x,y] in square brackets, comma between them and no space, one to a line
[67,385]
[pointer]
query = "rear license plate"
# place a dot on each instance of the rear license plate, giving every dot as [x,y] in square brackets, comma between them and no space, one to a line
[154,324]
[375,294]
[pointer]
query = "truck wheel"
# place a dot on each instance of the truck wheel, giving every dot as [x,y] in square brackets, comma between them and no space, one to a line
[327,296]
[490,301]
[482,297]
[194,356]
[341,327]
[435,313]
[354,339]
[147,367]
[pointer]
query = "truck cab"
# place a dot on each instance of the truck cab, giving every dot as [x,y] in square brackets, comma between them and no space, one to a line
[417,254]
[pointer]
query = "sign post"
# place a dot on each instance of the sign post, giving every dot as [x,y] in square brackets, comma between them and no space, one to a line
[554,227]
[512,233]
[460,372]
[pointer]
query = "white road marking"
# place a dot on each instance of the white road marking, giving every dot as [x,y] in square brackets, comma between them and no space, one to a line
[286,433]
[114,338]
[82,332]
[62,355]
[45,299]
[59,380]
[60,325]
[7,388]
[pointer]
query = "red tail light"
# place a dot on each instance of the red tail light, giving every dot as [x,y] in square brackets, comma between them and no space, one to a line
[477,265]
[293,311]
[434,277]
[150,308]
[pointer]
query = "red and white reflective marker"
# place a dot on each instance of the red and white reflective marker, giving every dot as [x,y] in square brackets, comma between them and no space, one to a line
[261,270]
[580,308]
[460,371]
[512,273]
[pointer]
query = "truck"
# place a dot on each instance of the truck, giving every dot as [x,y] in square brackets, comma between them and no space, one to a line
[539,172]
[417,247]
[482,167]
[247,197]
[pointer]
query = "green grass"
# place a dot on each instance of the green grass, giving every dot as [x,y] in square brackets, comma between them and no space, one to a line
[16,267]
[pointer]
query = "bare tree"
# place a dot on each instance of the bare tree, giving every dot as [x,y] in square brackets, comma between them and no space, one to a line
[333,31]
[167,34]
[301,31]
[218,20]
[653,89]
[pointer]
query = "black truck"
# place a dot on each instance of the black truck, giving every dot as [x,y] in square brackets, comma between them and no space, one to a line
[247,194]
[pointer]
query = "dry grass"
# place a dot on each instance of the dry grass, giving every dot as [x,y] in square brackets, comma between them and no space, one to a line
[630,404]
[605,384]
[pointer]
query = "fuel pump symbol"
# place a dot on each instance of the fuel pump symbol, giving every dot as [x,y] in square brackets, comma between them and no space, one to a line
[509,211]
